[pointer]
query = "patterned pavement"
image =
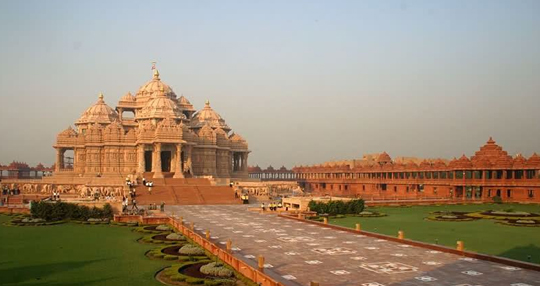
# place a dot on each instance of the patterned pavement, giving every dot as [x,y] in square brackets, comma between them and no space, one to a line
[297,253]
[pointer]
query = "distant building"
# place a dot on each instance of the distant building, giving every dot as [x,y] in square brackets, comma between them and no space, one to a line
[490,172]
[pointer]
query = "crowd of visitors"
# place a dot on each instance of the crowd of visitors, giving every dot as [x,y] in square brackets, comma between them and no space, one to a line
[272,206]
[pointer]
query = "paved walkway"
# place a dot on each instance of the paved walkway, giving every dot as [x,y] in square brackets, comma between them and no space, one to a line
[299,252]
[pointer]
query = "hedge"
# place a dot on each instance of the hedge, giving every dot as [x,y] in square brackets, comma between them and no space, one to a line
[66,211]
[337,207]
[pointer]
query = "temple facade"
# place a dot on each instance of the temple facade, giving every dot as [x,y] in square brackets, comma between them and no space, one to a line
[153,131]
[491,172]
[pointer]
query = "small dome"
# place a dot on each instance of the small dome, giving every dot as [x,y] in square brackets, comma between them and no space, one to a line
[183,100]
[208,116]
[128,97]
[160,107]
[155,87]
[98,113]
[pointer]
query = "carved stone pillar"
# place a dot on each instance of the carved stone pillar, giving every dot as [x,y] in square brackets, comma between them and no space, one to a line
[158,174]
[179,173]
[59,160]
[140,159]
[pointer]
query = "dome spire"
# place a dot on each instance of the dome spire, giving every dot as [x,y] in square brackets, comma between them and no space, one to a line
[100,96]
[207,103]
[156,72]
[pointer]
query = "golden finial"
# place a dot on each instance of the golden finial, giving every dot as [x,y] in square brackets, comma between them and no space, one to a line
[100,96]
[161,88]
[207,102]
[156,73]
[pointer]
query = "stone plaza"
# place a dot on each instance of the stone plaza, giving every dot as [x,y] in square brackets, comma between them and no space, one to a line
[298,253]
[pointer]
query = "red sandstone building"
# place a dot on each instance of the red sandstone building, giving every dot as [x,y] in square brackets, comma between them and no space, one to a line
[490,172]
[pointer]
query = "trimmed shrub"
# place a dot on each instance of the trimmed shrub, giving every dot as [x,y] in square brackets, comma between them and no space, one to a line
[163,227]
[190,249]
[497,200]
[66,211]
[175,236]
[216,269]
[337,207]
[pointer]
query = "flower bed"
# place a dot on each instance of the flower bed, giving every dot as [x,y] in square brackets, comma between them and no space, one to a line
[370,214]
[521,222]
[162,238]
[28,221]
[504,215]
[451,216]
[171,253]
[189,272]
[151,229]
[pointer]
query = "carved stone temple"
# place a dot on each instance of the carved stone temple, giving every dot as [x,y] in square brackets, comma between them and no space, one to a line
[153,131]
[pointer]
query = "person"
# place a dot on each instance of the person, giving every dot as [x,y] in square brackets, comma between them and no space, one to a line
[149,185]
[162,207]
[134,203]
[263,207]
[279,205]
[271,206]
[124,204]
[144,181]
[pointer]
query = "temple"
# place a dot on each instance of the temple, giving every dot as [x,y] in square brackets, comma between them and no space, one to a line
[152,132]
[491,172]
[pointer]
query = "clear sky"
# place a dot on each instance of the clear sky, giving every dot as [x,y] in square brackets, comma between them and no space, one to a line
[303,81]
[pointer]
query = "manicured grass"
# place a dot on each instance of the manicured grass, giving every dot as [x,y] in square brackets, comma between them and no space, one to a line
[483,236]
[72,254]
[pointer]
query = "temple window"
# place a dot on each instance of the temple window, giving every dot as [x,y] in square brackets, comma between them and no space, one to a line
[346,187]
[498,174]
[428,175]
[509,193]
[489,193]
[363,187]
[509,174]
[421,175]
[450,175]
[478,174]
[488,175]
[530,193]
[459,174]
[395,189]
[443,175]
[407,190]
[518,174]
[435,175]
[468,174]
[530,174]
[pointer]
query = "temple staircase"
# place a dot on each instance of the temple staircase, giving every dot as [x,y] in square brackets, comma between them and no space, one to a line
[185,191]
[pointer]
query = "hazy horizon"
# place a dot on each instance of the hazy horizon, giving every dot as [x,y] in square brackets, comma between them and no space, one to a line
[303,82]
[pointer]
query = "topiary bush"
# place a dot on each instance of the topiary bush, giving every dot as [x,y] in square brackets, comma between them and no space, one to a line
[497,200]
[163,227]
[67,211]
[190,249]
[216,269]
[175,236]
[338,207]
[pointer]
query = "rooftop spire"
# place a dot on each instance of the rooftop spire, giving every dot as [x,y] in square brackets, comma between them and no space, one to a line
[156,72]
[100,96]
[207,103]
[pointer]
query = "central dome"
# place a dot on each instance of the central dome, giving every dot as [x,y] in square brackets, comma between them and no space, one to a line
[155,87]
[160,107]
[208,116]
[98,113]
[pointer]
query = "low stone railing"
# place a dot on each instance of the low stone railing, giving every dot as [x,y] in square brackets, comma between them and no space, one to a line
[225,255]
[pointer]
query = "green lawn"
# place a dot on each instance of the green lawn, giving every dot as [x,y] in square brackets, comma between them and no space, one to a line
[72,254]
[483,236]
